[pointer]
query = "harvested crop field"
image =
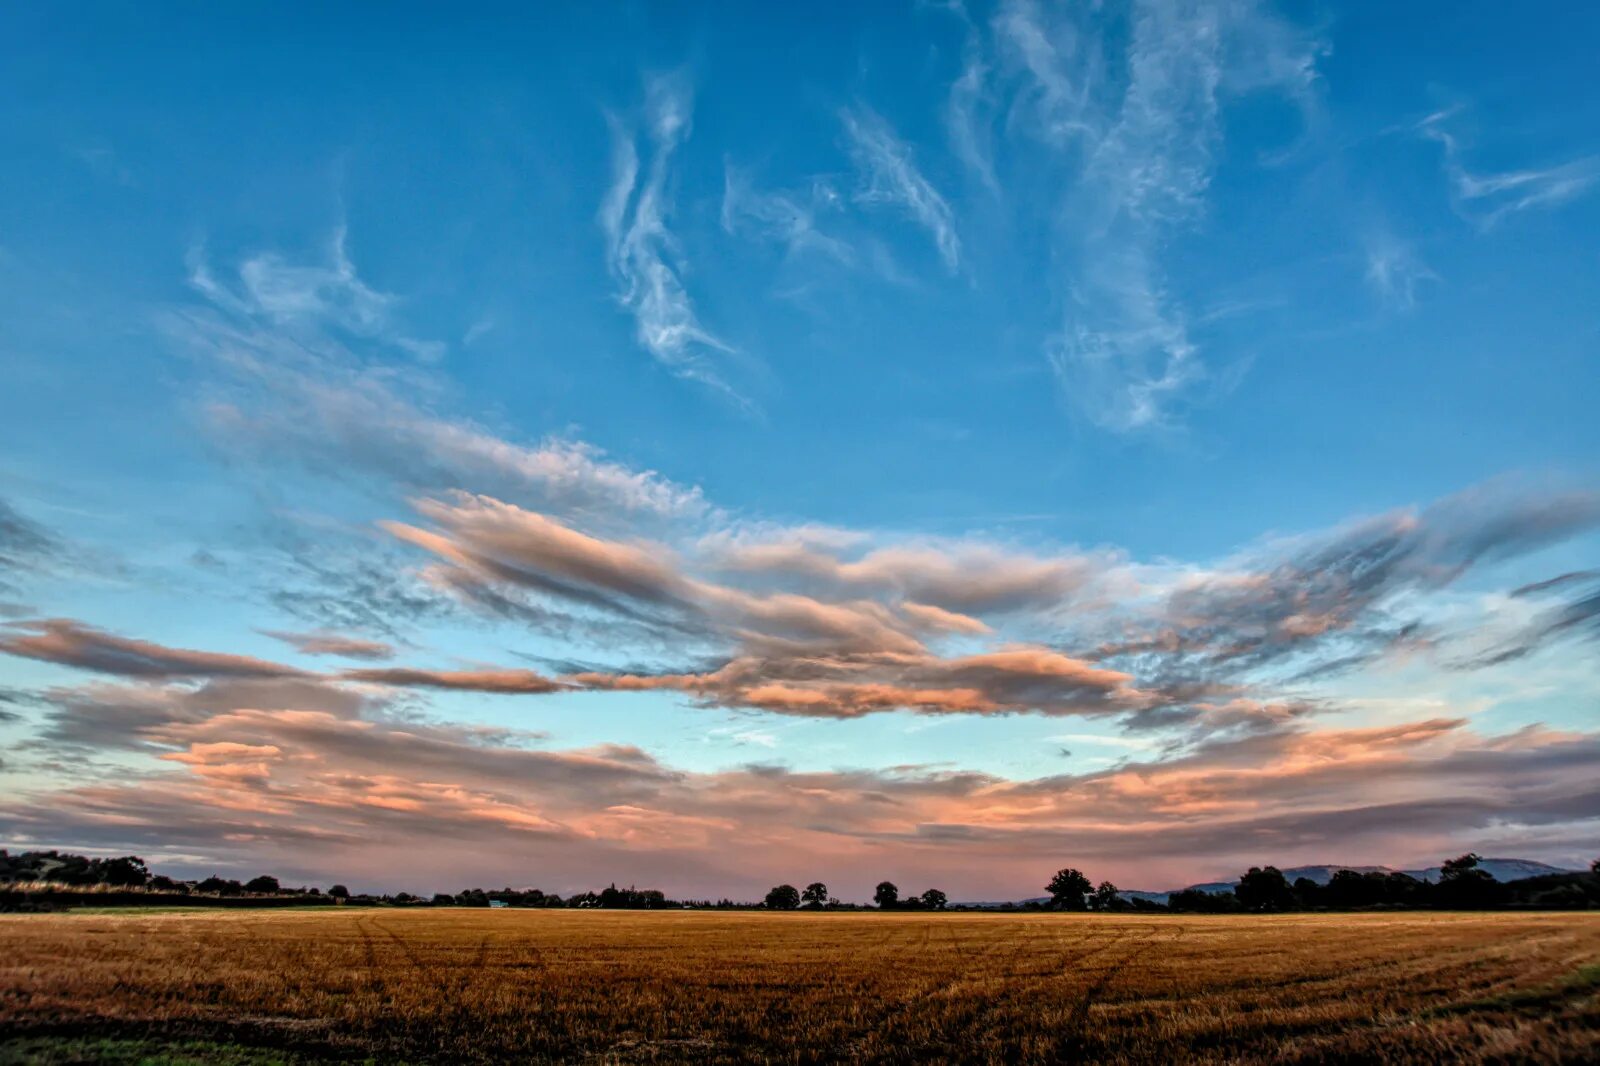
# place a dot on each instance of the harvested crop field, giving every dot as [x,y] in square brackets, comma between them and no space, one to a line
[509,985]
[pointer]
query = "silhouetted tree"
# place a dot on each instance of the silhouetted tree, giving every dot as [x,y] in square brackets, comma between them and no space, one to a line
[1463,868]
[265,885]
[126,872]
[1264,889]
[815,895]
[1307,893]
[220,887]
[1193,900]
[1105,897]
[1463,884]
[934,900]
[886,895]
[339,892]
[1594,867]
[783,898]
[1067,889]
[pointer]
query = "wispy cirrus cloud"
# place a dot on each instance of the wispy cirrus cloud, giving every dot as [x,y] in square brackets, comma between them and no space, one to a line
[1487,197]
[316,295]
[1394,271]
[26,547]
[969,96]
[349,423]
[890,177]
[302,394]
[645,257]
[1128,111]
[789,219]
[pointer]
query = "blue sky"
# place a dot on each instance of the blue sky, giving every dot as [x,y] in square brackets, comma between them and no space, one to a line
[953,402]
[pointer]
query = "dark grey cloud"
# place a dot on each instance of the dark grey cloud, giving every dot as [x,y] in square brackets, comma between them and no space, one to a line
[132,716]
[71,643]
[1328,604]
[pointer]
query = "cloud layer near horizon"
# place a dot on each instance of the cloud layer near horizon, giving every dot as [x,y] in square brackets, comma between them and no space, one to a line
[250,761]
[318,780]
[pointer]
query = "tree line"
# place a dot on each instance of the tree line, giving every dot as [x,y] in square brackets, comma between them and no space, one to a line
[1463,885]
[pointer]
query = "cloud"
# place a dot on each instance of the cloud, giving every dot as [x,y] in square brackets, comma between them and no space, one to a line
[1578,618]
[1008,680]
[70,643]
[831,624]
[889,177]
[321,794]
[964,112]
[966,577]
[644,256]
[133,716]
[521,682]
[319,295]
[349,423]
[26,548]
[323,643]
[1394,272]
[789,219]
[353,588]
[825,623]
[1130,117]
[489,543]
[1488,197]
[1326,601]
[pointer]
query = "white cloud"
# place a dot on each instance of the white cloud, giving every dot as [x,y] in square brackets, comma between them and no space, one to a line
[964,123]
[1486,198]
[890,176]
[789,219]
[1133,121]
[645,257]
[282,385]
[317,296]
[1394,272]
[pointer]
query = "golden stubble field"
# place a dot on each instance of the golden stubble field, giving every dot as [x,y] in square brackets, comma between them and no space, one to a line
[510,985]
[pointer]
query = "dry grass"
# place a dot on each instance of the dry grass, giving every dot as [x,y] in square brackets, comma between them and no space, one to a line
[494,986]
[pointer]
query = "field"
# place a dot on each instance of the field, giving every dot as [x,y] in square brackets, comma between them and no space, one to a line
[493,986]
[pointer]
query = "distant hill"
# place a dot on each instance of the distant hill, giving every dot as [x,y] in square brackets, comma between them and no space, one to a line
[1500,869]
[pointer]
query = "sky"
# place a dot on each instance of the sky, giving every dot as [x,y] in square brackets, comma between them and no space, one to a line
[707,446]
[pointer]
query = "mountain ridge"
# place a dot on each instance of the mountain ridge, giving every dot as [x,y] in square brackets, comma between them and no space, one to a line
[1501,869]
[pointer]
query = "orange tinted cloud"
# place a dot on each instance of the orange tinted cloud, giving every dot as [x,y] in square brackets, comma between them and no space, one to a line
[338,644]
[525,682]
[335,794]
